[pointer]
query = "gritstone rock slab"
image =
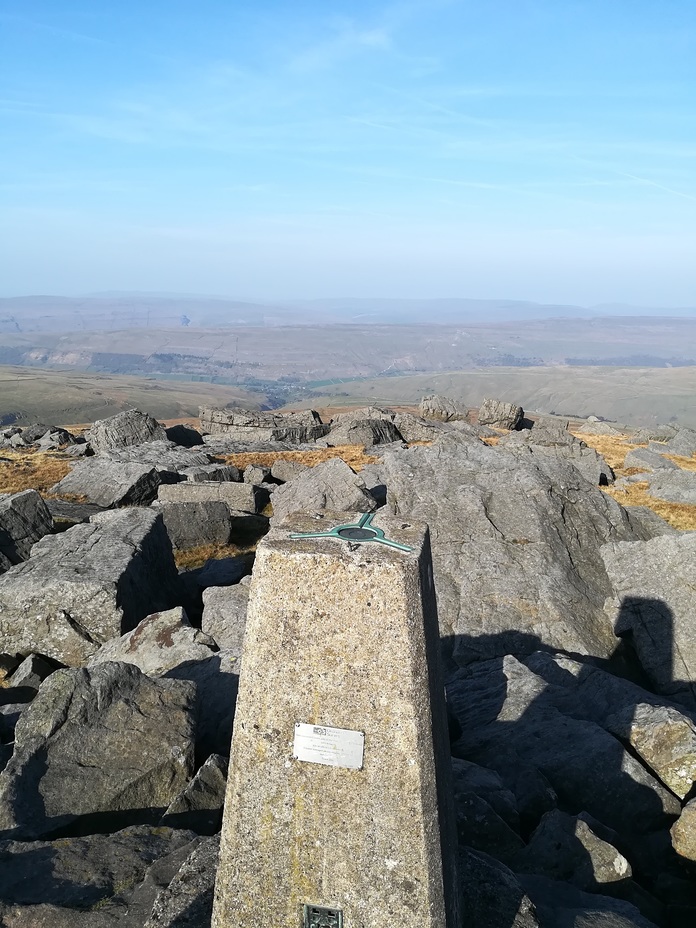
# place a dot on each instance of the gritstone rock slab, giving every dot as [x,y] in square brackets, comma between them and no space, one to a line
[341,635]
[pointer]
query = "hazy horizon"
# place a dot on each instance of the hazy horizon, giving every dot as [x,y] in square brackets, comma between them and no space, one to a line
[403,149]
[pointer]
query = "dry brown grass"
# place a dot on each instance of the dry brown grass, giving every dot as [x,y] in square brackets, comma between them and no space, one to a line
[613,448]
[31,470]
[197,557]
[682,462]
[354,456]
[679,515]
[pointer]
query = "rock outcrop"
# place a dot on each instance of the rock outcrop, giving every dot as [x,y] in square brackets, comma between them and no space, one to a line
[653,602]
[24,520]
[500,414]
[87,585]
[246,426]
[515,546]
[331,485]
[103,745]
[126,428]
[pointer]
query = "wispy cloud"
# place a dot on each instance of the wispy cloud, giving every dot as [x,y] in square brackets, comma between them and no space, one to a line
[653,183]
[59,31]
[347,40]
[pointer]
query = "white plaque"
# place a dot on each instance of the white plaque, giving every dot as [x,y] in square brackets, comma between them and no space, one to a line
[335,747]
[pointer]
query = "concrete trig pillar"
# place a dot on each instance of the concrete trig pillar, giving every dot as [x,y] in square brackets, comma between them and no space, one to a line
[337,812]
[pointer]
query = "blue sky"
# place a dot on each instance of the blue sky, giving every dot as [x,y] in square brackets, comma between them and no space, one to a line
[501,149]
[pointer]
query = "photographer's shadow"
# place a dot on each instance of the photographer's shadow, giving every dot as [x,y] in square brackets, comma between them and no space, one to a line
[558,734]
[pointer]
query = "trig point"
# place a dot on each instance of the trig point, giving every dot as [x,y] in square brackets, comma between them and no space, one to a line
[337,810]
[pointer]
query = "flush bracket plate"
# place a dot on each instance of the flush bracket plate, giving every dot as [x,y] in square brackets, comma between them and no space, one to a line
[317,916]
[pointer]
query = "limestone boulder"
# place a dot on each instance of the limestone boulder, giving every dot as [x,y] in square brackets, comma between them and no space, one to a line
[664,738]
[199,806]
[418,428]
[105,744]
[500,414]
[515,546]
[492,896]
[674,486]
[287,470]
[31,673]
[184,435]
[587,691]
[109,483]
[93,881]
[224,615]
[256,473]
[502,706]
[187,902]
[366,432]
[82,587]
[654,433]
[684,832]
[165,456]
[330,485]
[648,460]
[653,603]
[204,473]
[566,847]
[441,408]
[244,497]
[683,443]
[32,433]
[559,443]
[471,778]
[481,828]
[191,524]
[131,427]
[158,643]
[215,680]
[557,904]
[24,519]
[67,512]
[245,425]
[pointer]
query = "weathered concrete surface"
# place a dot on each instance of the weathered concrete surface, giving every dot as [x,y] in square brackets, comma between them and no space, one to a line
[87,585]
[24,519]
[243,497]
[366,841]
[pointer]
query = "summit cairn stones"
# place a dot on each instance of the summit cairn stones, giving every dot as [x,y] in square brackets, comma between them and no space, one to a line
[337,808]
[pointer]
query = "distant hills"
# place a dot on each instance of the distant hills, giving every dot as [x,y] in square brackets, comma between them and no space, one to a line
[115,311]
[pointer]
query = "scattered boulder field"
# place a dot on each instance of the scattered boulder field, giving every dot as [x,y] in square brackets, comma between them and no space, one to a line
[567,639]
